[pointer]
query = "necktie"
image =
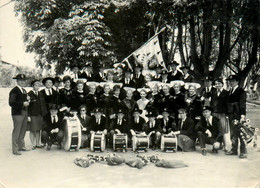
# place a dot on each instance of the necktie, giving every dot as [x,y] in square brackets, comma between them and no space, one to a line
[181,124]
[49,91]
[136,121]
[83,117]
[218,92]
[24,91]
[54,119]
[208,122]
[231,90]
[98,121]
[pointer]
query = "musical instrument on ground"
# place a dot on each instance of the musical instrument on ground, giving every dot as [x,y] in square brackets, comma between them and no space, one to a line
[72,134]
[97,142]
[140,142]
[169,143]
[120,142]
[247,132]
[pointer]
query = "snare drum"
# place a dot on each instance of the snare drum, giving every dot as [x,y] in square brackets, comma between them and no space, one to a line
[140,143]
[97,142]
[120,142]
[72,134]
[169,143]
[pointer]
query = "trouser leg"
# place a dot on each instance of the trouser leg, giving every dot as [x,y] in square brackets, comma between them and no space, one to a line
[17,123]
[21,142]
[202,139]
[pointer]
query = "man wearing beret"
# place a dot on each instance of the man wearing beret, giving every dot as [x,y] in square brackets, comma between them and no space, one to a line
[236,111]
[19,102]
[208,131]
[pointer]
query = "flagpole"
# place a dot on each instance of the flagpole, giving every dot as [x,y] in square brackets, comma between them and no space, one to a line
[145,43]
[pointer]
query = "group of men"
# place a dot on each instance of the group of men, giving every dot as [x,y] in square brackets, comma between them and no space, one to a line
[133,102]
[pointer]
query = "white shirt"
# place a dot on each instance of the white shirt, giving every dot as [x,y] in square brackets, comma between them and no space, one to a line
[152,124]
[48,91]
[98,121]
[186,76]
[56,119]
[210,120]
[234,89]
[21,89]
[119,121]
[137,120]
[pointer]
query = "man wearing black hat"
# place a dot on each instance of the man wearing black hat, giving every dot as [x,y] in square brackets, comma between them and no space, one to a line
[53,127]
[208,90]
[167,122]
[186,77]
[118,125]
[127,81]
[174,73]
[50,95]
[236,111]
[219,106]
[19,102]
[138,123]
[138,77]
[208,130]
[98,122]
[154,129]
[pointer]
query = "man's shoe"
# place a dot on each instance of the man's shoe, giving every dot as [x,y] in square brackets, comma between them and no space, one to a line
[204,152]
[24,149]
[231,153]
[40,146]
[17,153]
[48,147]
[214,150]
[59,146]
[242,156]
[34,148]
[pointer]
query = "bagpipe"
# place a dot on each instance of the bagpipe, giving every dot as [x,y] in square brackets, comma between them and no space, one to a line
[247,132]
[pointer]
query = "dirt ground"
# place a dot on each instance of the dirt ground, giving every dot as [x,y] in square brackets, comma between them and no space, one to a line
[40,168]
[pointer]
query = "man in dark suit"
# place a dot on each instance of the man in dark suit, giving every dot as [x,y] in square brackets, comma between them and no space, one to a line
[98,122]
[174,73]
[118,125]
[236,111]
[50,95]
[208,131]
[167,122]
[85,126]
[185,131]
[154,129]
[138,123]
[138,77]
[53,130]
[208,90]
[19,102]
[218,104]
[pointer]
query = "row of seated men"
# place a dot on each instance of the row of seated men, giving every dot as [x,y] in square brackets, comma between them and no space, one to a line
[206,130]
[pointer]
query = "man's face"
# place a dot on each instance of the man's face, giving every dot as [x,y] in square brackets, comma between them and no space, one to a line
[75,70]
[98,115]
[110,76]
[48,84]
[165,115]
[192,90]
[120,115]
[185,71]
[182,115]
[128,75]
[164,76]
[21,83]
[106,89]
[53,112]
[83,111]
[36,86]
[208,83]
[206,113]
[233,83]
[218,85]
[148,78]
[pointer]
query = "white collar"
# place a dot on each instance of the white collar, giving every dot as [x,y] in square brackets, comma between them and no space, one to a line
[186,76]
[21,89]
[235,88]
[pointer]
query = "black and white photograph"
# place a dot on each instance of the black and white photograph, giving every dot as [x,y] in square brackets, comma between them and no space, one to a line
[129,93]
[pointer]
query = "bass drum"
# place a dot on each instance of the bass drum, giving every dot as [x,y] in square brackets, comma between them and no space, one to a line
[120,142]
[169,143]
[72,134]
[140,143]
[97,142]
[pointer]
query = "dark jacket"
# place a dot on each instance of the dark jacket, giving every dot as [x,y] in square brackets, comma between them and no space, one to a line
[237,102]
[123,128]
[92,102]
[138,81]
[156,128]
[214,128]
[219,103]
[48,125]
[177,76]
[37,104]
[85,122]
[95,127]
[187,128]
[141,126]
[65,98]
[169,126]
[16,100]
[50,99]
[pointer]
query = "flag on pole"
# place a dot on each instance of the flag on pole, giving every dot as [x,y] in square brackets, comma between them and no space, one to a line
[150,54]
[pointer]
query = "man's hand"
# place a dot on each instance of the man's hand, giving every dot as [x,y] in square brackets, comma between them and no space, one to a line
[132,132]
[176,132]
[208,133]
[55,130]
[29,119]
[105,131]
[216,145]
[84,129]
[117,131]
[243,118]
